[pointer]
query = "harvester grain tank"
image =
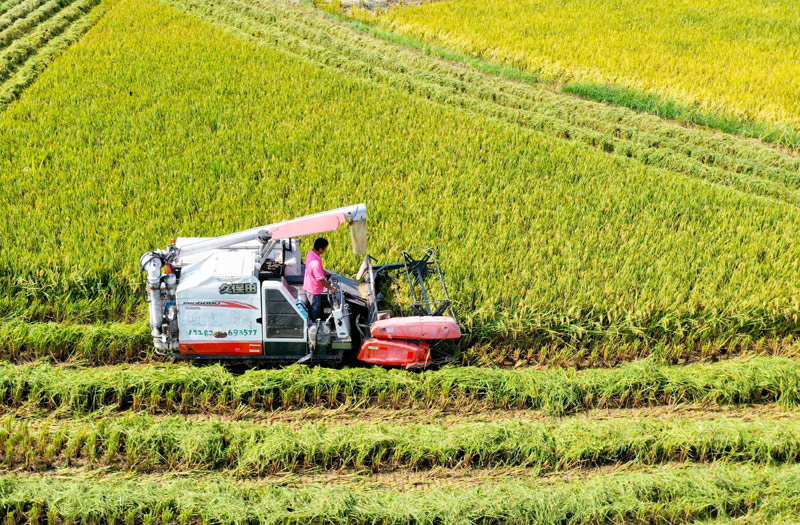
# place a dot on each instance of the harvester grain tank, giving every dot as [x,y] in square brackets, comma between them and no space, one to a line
[238,297]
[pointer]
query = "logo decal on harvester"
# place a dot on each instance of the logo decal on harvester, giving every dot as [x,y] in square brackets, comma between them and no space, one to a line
[238,288]
[223,304]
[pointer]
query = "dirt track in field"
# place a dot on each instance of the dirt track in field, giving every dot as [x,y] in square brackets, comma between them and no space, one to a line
[344,416]
[396,480]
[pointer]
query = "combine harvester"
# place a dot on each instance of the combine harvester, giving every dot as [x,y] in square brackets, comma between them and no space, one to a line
[236,298]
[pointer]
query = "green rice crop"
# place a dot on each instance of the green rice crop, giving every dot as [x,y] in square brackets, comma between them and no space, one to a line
[747,165]
[98,343]
[673,496]
[199,129]
[213,389]
[144,444]
[733,58]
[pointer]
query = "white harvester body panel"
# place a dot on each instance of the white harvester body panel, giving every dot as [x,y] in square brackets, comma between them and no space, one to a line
[291,256]
[284,321]
[219,303]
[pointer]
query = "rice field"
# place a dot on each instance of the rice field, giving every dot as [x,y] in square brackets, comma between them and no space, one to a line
[645,267]
[631,221]
[731,65]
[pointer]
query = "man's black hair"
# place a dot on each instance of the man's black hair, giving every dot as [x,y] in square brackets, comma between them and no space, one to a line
[320,243]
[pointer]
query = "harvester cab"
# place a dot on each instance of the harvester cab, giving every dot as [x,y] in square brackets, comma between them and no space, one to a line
[239,297]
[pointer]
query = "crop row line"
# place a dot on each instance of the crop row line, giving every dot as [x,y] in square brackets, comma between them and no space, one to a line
[730,74]
[141,443]
[674,496]
[23,26]
[553,340]
[567,106]
[19,10]
[723,151]
[33,66]
[21,50]
[8,4]
[83,298]
[185,389]
[99,343]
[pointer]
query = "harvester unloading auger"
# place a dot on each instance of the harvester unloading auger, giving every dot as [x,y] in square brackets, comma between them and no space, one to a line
[237,297]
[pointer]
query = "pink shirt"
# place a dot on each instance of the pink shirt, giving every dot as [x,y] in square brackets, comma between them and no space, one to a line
[314,272]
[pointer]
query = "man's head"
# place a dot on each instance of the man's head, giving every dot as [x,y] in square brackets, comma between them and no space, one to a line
[320,245]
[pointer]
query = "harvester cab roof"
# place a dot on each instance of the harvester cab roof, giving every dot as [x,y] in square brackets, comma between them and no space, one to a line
[240,297]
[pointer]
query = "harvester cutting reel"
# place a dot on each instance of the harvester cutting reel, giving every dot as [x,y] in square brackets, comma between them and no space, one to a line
[430,302]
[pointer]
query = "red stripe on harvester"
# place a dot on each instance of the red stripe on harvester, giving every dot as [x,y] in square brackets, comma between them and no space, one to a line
[230,304]
[242,348]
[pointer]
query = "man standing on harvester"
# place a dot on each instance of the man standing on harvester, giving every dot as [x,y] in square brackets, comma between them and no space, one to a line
[314,281]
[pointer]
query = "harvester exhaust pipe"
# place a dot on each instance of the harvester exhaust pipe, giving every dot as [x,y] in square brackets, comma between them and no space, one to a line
[151,263]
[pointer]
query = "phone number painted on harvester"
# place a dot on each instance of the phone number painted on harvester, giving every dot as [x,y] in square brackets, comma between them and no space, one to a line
[234,332]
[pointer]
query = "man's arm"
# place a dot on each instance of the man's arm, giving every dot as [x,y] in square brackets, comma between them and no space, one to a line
[325,284]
